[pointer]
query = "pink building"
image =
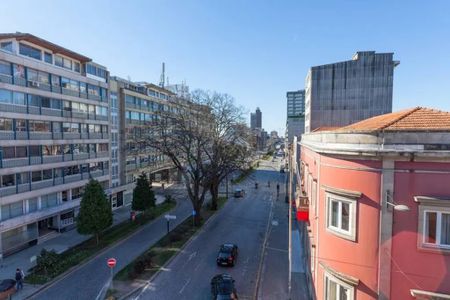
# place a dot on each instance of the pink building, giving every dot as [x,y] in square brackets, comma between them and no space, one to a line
[360,181]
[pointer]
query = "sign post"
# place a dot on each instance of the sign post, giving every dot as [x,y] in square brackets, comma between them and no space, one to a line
[111,264]
[168,218]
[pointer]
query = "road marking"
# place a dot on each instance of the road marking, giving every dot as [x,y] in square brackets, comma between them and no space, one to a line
[193,254]
[274,222]
[185,284]
[277,249]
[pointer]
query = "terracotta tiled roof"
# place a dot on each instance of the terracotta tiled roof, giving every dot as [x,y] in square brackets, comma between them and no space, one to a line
[326,128]
[414,119]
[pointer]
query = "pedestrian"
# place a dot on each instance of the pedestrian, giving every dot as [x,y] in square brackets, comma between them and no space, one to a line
[19,279]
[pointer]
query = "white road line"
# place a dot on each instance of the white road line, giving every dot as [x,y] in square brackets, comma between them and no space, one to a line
[277,249]
[185,284]
[193,254]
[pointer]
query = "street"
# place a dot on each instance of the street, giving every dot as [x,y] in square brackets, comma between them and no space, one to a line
[246,222]
[91,279]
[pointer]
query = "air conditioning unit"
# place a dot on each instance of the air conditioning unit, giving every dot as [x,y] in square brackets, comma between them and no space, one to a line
[33,83]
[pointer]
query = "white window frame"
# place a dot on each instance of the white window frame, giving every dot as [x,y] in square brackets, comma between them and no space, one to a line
[347,234]
[339,283]
[439,212]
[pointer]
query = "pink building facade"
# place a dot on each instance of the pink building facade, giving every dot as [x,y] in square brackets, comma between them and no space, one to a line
[359,182]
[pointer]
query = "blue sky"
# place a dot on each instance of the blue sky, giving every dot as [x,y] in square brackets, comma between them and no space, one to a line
[253,50]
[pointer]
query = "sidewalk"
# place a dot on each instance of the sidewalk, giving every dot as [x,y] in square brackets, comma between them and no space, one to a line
[300,263]
[62,242]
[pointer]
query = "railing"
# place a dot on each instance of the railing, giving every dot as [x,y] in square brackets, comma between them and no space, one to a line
[105,135]
[51,112]
[131,167]
[41,184]
[102,154]
[95,135]
[70,92]
[20,81]
[85,135]
[71,135]
[13,108]
[72,178]
[35,160]
[96,173]
[21,135]
[23,188]
[52,159]
[66,222]
[14,162]
[80,156]
[94,97]
[6,135]
[57,135]
[40,135]
[6,78]
[8,190]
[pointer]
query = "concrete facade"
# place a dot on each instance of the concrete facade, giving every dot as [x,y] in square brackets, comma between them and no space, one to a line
[361,247]
[54,136]
[346,92]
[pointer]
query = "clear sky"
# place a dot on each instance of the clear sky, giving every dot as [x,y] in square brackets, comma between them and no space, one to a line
[254,50]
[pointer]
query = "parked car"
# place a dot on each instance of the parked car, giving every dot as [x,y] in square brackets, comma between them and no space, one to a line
[238,193]
[7,288]
[227,255]
[222,287]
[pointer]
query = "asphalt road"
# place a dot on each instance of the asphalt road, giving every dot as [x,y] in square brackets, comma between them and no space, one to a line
[244,221]
[92,278]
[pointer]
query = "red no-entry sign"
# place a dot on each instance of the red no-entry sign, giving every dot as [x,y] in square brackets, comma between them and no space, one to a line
[112,262]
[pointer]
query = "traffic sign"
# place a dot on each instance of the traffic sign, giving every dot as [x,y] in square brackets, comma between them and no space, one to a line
[112,262]
[170,217]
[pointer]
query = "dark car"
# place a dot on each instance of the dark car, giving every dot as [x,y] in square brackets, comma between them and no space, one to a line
[227,255]
[222,287]
[238,193]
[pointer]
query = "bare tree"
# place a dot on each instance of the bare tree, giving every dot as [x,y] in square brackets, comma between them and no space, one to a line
[204,138]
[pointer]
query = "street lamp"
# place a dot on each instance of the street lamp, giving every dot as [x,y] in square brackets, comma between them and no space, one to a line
[397,207]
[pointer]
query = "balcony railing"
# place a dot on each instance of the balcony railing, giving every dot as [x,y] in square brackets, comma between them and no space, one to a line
[8,190]
[40,135]
[41,184]
[6,78]
[14,162]
[52,159]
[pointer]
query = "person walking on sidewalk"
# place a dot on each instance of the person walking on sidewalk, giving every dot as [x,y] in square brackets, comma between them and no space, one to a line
[19,279]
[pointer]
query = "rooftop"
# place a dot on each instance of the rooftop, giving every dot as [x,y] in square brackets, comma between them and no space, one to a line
[45,44]
[413,119]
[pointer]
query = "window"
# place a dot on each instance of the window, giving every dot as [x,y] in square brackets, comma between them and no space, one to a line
[6,124]
[63,62]
[8,180]
[12,210]
[341,216]
[7,46]
[30,51]
[34,150]
[23,178]
[5,68]
[48,57]
[32,205]
[336,289]
[76,67]
[36,176]
[5,96]
[47,174]
[437,228]
[49,200]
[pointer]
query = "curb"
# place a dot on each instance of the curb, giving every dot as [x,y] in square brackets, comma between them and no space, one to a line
[189,241]
[79,266]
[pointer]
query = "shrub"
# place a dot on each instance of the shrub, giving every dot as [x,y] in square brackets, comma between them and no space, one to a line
[139,267]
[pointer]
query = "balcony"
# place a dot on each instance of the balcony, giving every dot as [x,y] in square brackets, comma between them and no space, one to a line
[34,110]
[20,81]
[40,135]
[21,135]
[79,115]
[101,118]
[105,135]
[21,188]
[85,135]
[51,112]
[72,178]
[52,159]
[70,92]
[35,160]
[56,89]
[67,113]
[57,135]
[41,184]
[21,109]
[58,181]
[44,87]
[95,135]
[71,135]
[68,157]
[91,116]
[80,156]
[102,154]
[83,95]
[8,190]
[94,97]
[131,167]
[6,135]
[96,173]
[14,162]
[6,78]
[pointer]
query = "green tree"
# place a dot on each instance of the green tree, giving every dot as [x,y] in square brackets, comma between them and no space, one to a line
[95,210]
[143,196]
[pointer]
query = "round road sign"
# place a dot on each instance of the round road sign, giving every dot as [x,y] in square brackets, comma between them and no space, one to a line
[112,262]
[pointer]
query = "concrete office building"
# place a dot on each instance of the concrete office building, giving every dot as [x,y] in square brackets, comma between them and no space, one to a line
[54,136]
[295,123]
[346,92]
[258,116]
[137,104]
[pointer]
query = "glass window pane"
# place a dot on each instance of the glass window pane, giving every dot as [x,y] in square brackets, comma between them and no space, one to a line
[48,57]
[21,151]
[32,205]
[445,229]
[19,98]
[343,293]
[36,176]
[5,96]
[67,63]
[58,61]
[430,227]
[5,68]
[334,213]
[30,51]
[345,216]
[7,46]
